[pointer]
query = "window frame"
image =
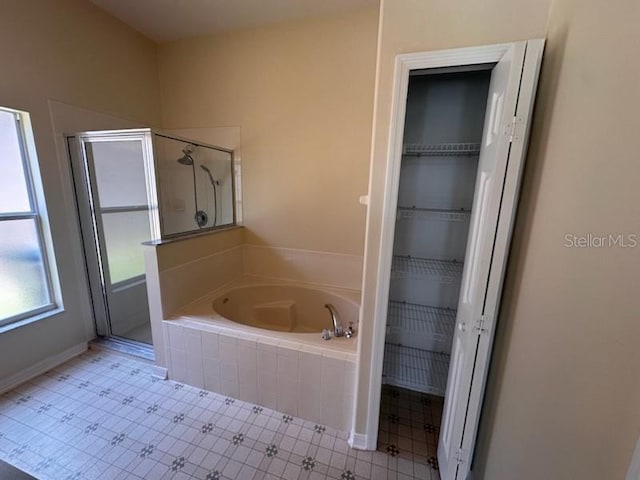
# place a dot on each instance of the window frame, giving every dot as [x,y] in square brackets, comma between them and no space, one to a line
[28,160]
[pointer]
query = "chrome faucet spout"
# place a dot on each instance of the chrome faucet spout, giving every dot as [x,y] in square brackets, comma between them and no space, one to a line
[338,329]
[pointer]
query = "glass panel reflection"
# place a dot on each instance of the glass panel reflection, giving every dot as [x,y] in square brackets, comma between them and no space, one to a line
[123,234]
[14,196]
[22,273]
[120,174]
[196,185]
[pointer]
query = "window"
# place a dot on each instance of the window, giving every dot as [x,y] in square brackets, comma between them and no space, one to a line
[25,281]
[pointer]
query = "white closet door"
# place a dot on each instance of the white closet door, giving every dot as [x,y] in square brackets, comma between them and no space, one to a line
[492,213]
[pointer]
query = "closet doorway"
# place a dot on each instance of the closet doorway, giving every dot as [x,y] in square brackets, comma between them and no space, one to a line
[459,131]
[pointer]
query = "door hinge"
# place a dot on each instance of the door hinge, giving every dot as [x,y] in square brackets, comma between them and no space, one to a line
[511,128]
[460,457]
[481,325]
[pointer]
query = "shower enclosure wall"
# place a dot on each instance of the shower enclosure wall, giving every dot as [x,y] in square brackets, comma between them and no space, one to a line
[135,186]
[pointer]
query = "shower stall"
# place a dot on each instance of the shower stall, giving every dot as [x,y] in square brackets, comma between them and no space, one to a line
[138,186]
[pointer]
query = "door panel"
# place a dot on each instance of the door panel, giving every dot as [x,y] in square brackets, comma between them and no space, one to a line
[501,106]
[123,234]
[119,172]
[87,230]
[110,177]
[502,238]
[455,370]
[129,307]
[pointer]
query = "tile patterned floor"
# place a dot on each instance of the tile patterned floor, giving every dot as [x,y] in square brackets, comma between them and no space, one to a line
[103,416]
[408,432]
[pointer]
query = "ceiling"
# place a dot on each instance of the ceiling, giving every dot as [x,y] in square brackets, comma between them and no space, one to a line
[169,20]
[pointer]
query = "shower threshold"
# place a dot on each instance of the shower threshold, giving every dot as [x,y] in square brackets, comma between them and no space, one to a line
[129,347]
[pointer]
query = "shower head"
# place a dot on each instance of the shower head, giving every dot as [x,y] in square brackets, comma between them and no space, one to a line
[187,159]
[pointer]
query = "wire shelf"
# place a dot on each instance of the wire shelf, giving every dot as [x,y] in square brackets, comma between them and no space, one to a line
[422,268]
[432,214]
[441,149]
[415,369]
[415,319]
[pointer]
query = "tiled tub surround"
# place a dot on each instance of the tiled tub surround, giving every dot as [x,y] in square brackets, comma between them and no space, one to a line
[304,266]
[102,416]
[183,271]
[296,373]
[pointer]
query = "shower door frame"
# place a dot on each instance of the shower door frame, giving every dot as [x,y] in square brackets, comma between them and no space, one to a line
[91,229]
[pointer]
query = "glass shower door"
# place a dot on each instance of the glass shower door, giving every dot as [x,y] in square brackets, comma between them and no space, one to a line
[111,175]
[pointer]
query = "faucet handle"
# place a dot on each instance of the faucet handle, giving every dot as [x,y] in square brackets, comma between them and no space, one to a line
[349,332]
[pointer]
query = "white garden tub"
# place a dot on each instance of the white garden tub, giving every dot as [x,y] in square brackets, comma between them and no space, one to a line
[261,342]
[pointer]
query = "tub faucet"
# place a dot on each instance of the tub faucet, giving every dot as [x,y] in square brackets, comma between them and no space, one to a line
[338,330]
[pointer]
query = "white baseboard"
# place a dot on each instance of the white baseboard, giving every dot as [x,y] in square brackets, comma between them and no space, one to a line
[359,441]
[42,366]
[161,372]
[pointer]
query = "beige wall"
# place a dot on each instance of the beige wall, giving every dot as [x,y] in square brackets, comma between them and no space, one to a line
[72,52]
[563,397]
[564,391]
[302,94]
[412,26]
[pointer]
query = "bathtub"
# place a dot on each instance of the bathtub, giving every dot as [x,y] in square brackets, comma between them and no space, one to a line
[285,308]
[261,342]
